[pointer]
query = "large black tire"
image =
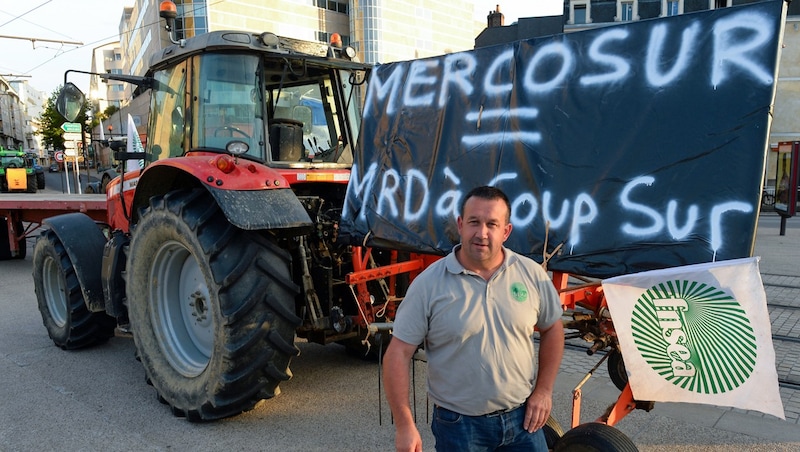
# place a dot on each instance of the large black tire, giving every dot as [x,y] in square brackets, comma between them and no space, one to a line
[68,322]
[552,432]
[31,184]
[211,307]
[5,248]
[40,181]
[595,437]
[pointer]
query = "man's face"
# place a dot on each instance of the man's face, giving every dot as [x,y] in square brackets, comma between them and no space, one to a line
[483,229]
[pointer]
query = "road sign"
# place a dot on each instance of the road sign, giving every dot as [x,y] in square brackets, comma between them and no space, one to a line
[58,156]
[71,127]
[70,152]
[72,136]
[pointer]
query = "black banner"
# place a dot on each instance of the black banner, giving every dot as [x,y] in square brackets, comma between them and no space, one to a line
[641,145]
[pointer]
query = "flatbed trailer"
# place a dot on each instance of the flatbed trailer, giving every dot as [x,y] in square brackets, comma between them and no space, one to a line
[22,213]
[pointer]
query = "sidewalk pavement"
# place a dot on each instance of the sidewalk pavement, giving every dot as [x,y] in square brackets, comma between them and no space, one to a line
[695,427]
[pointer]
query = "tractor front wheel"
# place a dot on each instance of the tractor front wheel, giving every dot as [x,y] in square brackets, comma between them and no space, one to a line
[211,307]
[68,321]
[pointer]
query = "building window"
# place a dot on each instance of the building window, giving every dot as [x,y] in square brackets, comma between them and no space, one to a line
[423,13]
[332,5]
[580,12]
[720,3]
[627,11]
[672,8]
[192,18]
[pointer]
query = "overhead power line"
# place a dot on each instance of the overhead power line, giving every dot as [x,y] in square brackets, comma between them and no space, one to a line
[33,40]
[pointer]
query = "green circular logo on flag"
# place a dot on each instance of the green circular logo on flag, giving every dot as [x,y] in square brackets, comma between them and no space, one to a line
[694,335]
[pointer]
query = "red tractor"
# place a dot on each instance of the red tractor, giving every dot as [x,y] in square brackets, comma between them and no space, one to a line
[222,242]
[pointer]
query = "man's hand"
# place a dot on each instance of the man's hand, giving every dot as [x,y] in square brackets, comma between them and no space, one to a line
[396,363]
[540,402]
[407,439]
[537,410]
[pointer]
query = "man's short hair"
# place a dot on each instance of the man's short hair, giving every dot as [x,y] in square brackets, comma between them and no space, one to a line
[489,193]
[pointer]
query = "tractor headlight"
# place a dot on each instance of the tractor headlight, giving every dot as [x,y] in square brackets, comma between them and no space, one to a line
[237,148]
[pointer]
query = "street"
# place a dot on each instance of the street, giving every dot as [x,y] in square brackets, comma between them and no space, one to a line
[772,221]
[57,182]
[97,398]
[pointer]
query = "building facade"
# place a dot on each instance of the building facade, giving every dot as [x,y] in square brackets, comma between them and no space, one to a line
[381,31]
[107,59]
[32,104]
[13,118]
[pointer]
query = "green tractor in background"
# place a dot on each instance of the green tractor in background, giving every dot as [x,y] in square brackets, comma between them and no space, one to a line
[12,164]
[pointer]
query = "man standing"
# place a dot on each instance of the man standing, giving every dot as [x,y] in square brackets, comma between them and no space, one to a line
[475,310]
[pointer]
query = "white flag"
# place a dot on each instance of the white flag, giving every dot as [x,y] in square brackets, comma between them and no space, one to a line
[697,334]
[102,133]
[134,145]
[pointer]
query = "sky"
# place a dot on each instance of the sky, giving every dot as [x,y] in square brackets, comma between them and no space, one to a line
[93,23]
[90,22]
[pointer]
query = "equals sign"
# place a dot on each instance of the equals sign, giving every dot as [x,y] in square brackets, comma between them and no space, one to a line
[502,136]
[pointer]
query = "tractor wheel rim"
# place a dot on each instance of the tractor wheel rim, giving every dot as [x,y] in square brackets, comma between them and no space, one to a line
[55,293]
[181,311]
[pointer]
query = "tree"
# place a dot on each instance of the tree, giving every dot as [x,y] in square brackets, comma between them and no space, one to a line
[51,120]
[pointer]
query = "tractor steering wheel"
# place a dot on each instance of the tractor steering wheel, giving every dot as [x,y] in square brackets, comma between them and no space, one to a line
[231,130]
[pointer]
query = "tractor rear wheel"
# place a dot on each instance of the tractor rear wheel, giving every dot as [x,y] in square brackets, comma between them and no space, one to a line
[68,321]
[32,184]
[211,307]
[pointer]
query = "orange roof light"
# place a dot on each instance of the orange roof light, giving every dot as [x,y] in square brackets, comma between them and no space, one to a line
[167,9]
[336,40]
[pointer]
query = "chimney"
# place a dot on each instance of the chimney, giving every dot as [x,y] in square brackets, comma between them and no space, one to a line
[495,18]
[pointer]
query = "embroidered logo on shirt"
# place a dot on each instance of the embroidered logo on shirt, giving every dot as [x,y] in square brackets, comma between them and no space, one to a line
[519,292]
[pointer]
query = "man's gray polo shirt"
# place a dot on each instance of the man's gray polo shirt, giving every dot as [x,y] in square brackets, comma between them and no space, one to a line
[479,334]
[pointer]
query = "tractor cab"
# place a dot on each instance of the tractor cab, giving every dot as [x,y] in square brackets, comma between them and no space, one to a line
[281,102]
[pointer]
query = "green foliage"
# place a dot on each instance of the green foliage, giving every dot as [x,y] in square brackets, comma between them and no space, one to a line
[51,120]
[110,110]
[102,115]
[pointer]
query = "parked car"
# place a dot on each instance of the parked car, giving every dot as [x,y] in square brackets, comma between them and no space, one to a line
[53,168]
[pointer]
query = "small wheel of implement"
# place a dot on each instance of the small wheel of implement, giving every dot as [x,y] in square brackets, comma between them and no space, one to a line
[595,437]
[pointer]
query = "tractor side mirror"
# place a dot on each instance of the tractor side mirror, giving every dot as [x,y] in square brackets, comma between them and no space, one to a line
[70,102]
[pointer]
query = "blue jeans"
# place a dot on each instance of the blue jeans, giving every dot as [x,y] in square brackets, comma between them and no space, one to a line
[502,432]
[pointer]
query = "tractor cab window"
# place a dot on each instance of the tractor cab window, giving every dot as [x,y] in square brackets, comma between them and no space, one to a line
[167,123]
[305,124]
[229,103]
